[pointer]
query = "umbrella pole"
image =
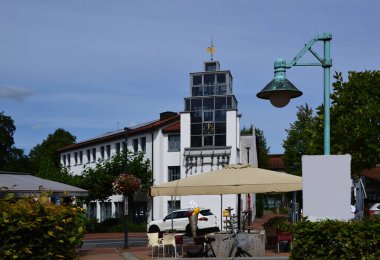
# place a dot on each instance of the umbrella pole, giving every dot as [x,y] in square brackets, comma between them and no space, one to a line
[238,212]
[221,212]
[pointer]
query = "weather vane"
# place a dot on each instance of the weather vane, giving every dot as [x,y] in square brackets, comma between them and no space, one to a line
[211,49]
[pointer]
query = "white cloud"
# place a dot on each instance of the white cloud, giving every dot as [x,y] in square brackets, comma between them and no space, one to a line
[16,93]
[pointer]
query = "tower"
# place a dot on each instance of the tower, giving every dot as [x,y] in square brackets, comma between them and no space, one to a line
[209,123]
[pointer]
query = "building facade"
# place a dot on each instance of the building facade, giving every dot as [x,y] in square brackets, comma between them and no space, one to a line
[204,137]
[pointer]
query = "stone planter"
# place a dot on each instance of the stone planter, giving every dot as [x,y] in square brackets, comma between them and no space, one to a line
[253,243]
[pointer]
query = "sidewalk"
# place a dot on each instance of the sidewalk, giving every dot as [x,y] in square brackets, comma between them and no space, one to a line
[140,252]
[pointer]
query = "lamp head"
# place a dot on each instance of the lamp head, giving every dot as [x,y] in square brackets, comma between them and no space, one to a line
[280,90]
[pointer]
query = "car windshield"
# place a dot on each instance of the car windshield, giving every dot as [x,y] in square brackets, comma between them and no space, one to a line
[206,212]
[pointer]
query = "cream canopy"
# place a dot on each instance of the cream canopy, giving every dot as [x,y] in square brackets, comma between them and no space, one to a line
[233,179]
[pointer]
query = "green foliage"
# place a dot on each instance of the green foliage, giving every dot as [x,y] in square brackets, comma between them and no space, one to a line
[333,239]
[355,118]
[98,180]
[11,158]
[299,140]
[262,149]
[31,228]
[49,149]
[259,205]
[114,225]
[261,143]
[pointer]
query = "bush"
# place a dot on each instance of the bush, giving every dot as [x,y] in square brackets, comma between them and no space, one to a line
[31,228]
[114,225]
[333,239]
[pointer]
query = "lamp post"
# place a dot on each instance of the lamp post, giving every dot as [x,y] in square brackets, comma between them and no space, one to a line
[280,90]
[126,195]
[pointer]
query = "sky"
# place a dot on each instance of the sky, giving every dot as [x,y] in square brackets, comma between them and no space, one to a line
[94,66]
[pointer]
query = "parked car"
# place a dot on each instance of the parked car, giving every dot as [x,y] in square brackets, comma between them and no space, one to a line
[374,209]
[207,222]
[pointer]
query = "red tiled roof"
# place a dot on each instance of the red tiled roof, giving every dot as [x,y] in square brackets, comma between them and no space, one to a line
[373,173]
[121,133]
[174,128]
[276,162]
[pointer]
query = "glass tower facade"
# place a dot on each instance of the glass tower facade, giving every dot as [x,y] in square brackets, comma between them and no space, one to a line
[211,97]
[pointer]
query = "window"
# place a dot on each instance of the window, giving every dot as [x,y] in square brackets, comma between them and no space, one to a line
[208,140]
[209,79]
[88,153]
[174,143]
[64,160]
[117,147]
[211,66]
[197,91]
[80,157]
[197,80]
[196,141]
[173,205]
[106,210]
[220,140]
[221,78]
[208,116]
[68,160]
[196,104]
[220,128]
[174,173]
[75,158]
[119,209]
[93,154]
[196,129]
[208,104]
[143,144]
[92,210]
[102,153]
[108,151]
[220,115]
[135,145]
[196,116]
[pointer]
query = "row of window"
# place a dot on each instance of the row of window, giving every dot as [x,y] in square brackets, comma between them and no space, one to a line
[210,103]
[105,151]
[105,154]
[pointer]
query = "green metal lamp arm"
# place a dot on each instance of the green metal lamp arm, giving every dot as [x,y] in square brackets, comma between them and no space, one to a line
[326,62]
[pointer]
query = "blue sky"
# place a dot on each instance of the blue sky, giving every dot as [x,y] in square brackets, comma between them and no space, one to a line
[93,66]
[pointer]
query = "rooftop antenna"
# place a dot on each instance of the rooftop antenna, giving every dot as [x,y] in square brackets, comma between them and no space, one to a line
[211,50]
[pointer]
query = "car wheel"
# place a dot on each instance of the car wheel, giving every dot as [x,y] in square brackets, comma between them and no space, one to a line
[154,229]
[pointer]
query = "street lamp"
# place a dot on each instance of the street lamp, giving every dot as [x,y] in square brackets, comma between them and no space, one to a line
[280,90]
[125,146]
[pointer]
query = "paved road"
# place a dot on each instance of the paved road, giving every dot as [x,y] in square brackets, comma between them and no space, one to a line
[114,243]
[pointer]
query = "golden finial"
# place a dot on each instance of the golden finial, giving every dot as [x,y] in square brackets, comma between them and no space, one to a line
[211,49]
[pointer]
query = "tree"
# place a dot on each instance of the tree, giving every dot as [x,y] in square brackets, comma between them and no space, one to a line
[7,129]
[262,149]
[11,158]
[355,118]
[98,181]
[261,143]
[299,140]
[49,149]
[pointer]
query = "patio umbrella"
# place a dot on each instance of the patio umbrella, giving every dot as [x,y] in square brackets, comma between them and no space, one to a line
[233,179]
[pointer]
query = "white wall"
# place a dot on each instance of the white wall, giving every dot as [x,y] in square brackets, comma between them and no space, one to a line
[326,181]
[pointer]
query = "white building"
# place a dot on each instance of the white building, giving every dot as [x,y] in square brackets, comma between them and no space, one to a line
[202,138]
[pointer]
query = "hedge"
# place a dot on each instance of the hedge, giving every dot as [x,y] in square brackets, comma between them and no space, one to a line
[333,239]
[30,228]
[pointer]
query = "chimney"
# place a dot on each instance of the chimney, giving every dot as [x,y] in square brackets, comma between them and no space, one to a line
[167,114]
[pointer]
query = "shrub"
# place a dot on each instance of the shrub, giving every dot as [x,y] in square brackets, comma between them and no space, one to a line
[333,239]
[31,228]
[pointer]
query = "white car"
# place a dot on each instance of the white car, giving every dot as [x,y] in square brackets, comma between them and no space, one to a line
[207,222]
[374,209]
